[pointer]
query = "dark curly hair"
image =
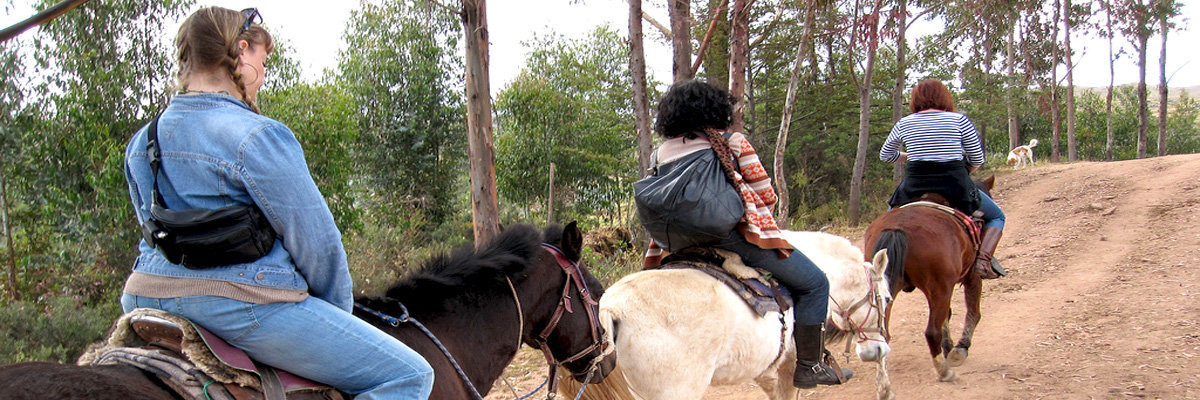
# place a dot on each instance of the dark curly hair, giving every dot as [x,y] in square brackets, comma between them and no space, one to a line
[690,107]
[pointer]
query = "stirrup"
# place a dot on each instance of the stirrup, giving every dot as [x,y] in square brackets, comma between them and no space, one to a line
[985,272]
[997,269]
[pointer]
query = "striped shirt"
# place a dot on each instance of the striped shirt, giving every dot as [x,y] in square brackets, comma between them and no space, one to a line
[934,136]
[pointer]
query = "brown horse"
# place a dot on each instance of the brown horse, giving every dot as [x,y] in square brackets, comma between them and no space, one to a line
[929,250]
[464,299]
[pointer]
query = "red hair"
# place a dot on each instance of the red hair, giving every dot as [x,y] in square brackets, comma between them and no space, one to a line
[931,94]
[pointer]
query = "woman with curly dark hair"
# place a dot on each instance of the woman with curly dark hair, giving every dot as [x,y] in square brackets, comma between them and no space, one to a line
[692,117]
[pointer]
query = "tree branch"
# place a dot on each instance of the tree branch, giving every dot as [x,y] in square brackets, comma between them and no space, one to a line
[661,28]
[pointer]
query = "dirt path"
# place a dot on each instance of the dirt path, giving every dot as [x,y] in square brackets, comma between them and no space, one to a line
[1101,301]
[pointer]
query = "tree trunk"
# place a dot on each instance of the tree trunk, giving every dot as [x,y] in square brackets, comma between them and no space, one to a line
[1112,75]
[485,207]
[641,103]
[864,120]
[12,251]
[1010,92]
[550,198]
[783,207]
[1071,155]
[737,61]
[1162,89]
[1055,117]
[1143,107]
[901,77]
[714,49]
[681,38]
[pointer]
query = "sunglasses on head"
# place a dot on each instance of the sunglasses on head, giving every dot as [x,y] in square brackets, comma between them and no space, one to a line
[252,17]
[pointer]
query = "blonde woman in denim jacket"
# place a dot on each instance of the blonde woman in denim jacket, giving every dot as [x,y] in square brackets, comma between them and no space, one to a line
[291,308]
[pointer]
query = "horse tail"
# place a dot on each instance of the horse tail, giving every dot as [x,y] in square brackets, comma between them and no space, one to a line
[895,241]
[614,386]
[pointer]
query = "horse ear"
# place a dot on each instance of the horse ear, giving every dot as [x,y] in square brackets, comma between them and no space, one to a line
[572,241]
[880,261]
[990,182]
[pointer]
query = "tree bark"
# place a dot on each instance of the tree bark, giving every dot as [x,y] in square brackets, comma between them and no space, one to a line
[864,119]
[12,251]
[1010,91]
[783,207]
[1071,154]
[1143,107]
[1112,76]
[641,103]
[1055,117]
[737,61]
[485,206]
[681,38]
[550,198]
[1162,88]
[716,35]
[901,77]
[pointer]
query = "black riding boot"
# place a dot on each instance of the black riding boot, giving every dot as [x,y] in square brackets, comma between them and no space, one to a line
[810,369]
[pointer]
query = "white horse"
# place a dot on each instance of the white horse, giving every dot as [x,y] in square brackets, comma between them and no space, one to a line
[678,331]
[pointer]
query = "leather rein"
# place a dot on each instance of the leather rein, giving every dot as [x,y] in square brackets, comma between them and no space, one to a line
[574,279]
[872,299]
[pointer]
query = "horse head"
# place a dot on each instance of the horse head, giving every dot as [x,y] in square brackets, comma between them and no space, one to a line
[566,325]
[985,184]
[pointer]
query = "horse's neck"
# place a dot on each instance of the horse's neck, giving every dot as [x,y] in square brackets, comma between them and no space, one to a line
[481,335]
[846,285]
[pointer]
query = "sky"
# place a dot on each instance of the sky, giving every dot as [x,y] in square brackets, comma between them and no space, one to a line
[315,28]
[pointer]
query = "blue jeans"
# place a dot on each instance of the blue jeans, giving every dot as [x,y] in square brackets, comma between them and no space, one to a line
[806,282]
[992,216]
[312,339]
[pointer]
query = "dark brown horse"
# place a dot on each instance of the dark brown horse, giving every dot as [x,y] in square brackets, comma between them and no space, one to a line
[464,299]
[929,250]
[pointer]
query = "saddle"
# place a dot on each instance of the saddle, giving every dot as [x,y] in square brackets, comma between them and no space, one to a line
[196,363]
[972,225]
[754,286]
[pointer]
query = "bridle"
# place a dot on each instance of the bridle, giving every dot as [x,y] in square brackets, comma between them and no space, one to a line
[575,280]
[873,299]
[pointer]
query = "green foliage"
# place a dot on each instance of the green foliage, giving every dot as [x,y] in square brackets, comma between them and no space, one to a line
[400,66]
[54,329]
[324,118]
[570,106]
[68,138]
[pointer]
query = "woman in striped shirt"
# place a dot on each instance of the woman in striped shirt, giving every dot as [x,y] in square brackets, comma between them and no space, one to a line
[692,117]
[942,150]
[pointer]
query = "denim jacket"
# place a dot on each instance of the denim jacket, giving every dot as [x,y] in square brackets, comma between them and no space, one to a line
[217,153]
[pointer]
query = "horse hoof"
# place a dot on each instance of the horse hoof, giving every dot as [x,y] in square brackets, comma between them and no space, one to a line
[949,376]
[887,394]
[957,357]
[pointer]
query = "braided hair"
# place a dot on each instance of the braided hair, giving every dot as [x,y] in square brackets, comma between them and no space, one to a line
[208,41]
[692,108]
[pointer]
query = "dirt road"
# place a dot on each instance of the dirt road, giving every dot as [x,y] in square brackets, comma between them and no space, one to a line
[1102,300]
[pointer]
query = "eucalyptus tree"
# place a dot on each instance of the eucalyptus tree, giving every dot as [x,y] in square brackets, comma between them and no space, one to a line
[1164,10]
[104,70]
[1137,25]
[569,106]
[400,66]
[865,33]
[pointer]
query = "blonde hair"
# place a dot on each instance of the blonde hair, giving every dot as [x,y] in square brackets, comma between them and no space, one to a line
[208,40]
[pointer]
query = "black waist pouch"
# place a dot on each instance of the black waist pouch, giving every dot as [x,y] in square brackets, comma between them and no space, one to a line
[203,238]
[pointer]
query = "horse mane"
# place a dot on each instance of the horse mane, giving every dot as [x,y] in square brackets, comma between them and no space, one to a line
[467,272]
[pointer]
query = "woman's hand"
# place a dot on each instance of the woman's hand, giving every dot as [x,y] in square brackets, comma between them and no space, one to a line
[903,157]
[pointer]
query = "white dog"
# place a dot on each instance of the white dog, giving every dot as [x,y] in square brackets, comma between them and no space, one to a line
[1022,155]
